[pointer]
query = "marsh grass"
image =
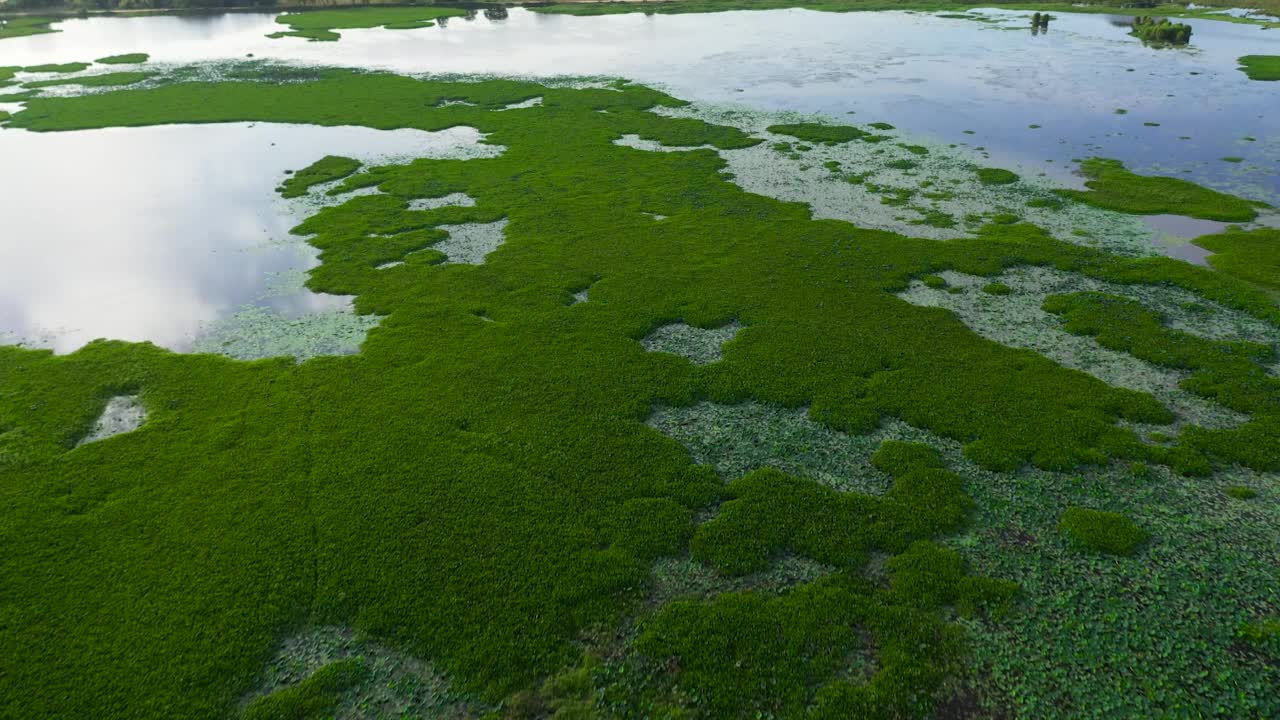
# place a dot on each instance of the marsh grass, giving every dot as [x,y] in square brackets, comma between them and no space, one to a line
[126,59]
[326,169]
[1112,186]
[12,27]
[1261,67]
[115,79]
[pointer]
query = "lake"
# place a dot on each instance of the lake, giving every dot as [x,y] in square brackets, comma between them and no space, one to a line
[137,261]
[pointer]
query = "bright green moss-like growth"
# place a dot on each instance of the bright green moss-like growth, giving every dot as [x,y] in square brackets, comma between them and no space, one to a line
[819,133]
[1106,532]
[326,169]
[996,289]
[12,27]
[127,59]
[996,176]
[1113,187]
[743,652]
[1231,373]
[105,80]
[72,67]
[1263,632]
[313,698]
[1239,492]
[934,281]
[1249,255]
[321,24]
[838,645]
[1261,67]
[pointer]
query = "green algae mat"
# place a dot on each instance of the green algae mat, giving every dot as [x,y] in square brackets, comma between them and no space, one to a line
[321,25]
[520,500]
[23,26]
[1261,67]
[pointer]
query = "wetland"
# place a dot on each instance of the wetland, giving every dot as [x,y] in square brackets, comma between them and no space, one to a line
[771,363]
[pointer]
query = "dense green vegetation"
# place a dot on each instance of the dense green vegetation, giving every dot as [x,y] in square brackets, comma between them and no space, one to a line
[71,67]
[1261,67]
[1160,31]
[825,134]
[321,24]
[996,176]
[1113,187]
[104,80]
[745,652]
[22,26]
[1107,532]
[1231,373]
[484,492]
[127,59]
[1249,255]
[1266,632]
[326,169]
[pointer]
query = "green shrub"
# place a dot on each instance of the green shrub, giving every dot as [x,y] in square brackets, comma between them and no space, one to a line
[996,288]
[1107,532]
[1160,31]
[996,176]
[1260,633]
[1240,492]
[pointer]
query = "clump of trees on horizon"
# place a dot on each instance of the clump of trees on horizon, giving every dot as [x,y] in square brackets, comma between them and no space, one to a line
[1161,31]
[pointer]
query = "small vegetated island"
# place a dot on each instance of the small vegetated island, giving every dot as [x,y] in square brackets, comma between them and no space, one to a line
[1160,31]
[22,26]
[323,24]
[1261,67]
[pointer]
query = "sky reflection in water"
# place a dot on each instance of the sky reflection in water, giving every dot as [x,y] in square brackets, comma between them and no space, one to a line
[154,233]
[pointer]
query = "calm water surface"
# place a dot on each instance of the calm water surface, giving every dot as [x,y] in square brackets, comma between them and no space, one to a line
[158,233]
[930,76]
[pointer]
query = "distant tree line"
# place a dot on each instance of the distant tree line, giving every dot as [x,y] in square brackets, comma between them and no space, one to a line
[166,4]
[128,4]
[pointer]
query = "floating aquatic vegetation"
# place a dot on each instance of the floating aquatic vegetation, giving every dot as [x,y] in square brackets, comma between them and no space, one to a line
[697,345]
[122,414]
[470,243]
[258,332]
